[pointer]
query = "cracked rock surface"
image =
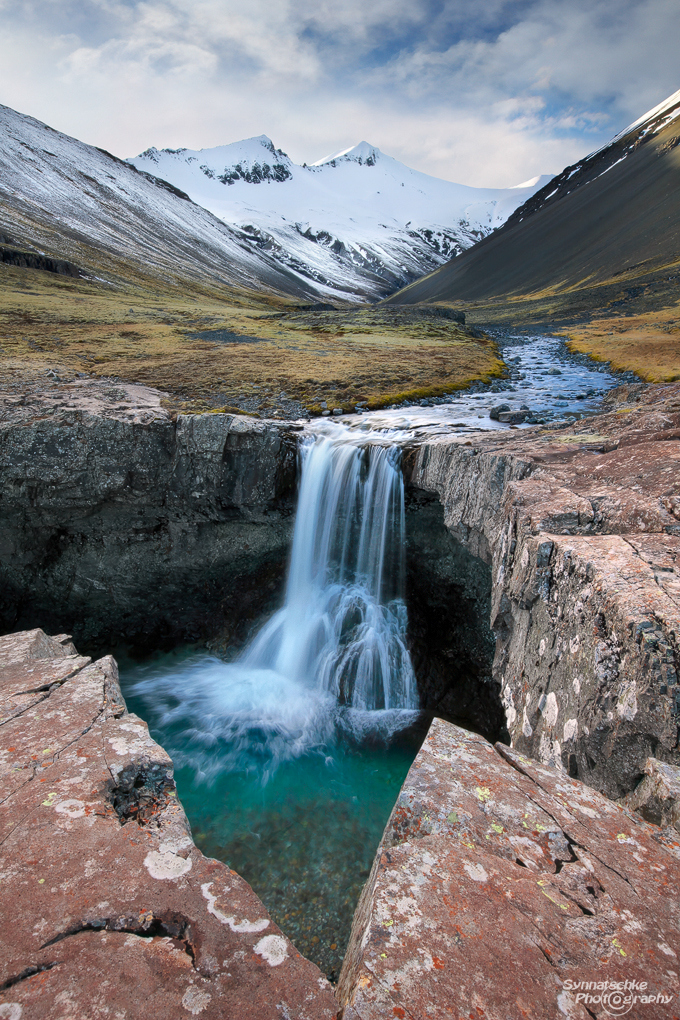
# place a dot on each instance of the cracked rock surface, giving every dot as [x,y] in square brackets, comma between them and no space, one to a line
[498,882]
[581,527]
[108,907]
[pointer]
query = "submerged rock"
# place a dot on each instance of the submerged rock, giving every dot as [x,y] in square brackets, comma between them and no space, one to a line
[513,417]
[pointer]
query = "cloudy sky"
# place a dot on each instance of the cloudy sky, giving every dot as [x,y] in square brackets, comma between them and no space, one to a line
[486,92]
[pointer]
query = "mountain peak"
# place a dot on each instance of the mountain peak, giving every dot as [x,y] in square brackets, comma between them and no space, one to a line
[363,154]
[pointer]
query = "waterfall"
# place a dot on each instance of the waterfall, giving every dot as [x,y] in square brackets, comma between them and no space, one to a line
[334,657]
[342,627]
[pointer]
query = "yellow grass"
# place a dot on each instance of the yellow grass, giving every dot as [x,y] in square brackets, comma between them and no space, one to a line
[144,334]
[647,344]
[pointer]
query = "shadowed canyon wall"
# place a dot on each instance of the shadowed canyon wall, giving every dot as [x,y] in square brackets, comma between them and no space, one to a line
[143,533]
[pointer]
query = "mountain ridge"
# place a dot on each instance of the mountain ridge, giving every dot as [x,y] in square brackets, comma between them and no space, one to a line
[357,222]
[64,199]
[611,219]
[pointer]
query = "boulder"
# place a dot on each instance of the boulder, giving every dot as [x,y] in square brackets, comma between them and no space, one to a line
[657,797]
[512,417]
[502,887]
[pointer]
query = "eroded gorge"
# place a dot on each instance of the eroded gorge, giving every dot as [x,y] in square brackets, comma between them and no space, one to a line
[540,583]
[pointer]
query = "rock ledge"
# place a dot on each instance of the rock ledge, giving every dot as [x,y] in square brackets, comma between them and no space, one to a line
[108,907]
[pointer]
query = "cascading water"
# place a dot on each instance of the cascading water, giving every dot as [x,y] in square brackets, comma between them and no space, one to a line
[333,658]
[289,760]
[341,630]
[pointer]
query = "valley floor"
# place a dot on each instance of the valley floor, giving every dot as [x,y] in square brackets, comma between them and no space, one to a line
[216,350]
[632,322]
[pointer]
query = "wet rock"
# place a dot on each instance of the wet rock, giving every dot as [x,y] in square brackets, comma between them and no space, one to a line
[499,409]
[513,417]
[147,532]
[499,885]
[657,797]
[448,592]
[108,907]
[580,526]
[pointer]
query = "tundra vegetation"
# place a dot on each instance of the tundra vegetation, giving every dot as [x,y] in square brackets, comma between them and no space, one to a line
[219,349]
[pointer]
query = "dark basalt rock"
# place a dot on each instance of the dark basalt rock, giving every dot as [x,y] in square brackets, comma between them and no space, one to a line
[143,533]
[36,260]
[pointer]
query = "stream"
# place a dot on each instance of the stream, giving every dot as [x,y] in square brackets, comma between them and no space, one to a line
[289,757]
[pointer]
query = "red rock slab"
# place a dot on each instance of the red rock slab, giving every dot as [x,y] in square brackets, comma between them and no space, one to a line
[16,649]
[106,904]
[31,663]
[26,685]
[34,739]
[455,923]
[444,795]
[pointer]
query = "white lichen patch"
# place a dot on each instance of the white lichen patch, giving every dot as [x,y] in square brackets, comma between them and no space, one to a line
[408,909]
[588,812]
[273,949]
[627,706]
[72,808]
[119,745]
[166,866]
[173,846]
[195,1000]
[244,925]
[476,872]
[570,729]
[11,1011]
[551,710]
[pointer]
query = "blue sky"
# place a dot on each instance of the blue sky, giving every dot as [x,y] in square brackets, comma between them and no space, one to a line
[487,92]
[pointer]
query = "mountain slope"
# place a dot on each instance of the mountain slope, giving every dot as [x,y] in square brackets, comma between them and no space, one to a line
[611,220]
[358,222]
[66,200]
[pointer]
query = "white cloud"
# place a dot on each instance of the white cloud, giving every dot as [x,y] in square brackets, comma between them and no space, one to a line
[489,93]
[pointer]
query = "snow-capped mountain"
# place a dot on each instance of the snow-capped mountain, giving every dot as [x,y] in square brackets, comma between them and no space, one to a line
[355,225]
[65,199]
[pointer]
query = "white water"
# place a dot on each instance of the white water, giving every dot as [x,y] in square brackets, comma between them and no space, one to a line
[334,658]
